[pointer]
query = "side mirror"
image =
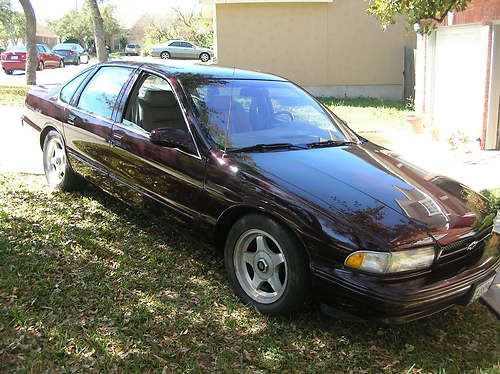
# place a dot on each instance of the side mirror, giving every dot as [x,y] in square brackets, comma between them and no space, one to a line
[173,138]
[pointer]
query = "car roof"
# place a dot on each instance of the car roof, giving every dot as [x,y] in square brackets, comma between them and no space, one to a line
[196,71]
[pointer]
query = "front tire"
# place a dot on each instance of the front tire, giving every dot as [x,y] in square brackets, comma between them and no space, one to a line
[60,176]
[40,66]
[205,57]
[61,63]
[267,267]
[8,71]
[165,55]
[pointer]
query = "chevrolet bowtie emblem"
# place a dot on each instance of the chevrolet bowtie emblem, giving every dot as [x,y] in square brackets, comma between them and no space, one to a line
[472,245]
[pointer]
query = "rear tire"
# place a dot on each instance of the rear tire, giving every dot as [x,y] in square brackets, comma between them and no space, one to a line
[61,63]
[165,55]
[58,172]
[40,66]
[266,265]
[8,72]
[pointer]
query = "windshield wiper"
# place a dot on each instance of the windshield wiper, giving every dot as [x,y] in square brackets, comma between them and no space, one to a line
[265,147]
[330,143]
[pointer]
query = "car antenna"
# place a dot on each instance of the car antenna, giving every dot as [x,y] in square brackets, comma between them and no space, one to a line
[229,109]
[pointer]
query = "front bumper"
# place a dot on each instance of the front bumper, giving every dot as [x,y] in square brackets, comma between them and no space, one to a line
[155,53]
[402,300]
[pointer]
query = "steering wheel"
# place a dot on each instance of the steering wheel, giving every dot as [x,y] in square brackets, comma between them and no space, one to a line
[286,113]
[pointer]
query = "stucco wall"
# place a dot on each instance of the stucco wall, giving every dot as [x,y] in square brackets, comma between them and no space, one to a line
[318,45]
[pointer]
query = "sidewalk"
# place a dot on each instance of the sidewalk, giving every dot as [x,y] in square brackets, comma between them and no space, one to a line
[20,150]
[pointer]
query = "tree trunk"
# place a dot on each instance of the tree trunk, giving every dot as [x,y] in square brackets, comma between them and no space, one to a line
[100,46]
[31,63]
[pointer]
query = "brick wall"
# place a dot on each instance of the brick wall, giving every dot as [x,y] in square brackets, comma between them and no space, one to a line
[483,11]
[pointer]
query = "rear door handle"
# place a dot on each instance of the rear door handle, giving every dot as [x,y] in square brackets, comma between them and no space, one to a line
[71,119]
[116,139]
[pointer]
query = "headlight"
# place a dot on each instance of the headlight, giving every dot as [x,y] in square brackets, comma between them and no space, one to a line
[391,262]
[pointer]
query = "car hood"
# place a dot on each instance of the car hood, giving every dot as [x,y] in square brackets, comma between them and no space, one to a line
[376,190]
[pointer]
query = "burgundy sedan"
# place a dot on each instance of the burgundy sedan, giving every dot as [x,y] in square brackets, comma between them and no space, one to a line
[305,209]
[14,58]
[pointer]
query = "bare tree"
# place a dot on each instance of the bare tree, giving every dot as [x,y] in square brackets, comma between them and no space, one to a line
[29,13]
[100,44]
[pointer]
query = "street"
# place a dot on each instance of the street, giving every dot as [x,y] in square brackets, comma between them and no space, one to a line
[60,75]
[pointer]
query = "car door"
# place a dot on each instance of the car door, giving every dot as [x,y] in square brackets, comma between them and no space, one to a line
[41,55]
[50,58]
[175,50]
[188,50]
[168,175]
[90,119]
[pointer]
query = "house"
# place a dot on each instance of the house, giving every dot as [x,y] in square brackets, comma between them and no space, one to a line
[44,35]
[458,75]
[137,31]
[331,47]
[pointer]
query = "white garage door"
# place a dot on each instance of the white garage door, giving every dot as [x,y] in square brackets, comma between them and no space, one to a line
[460,68]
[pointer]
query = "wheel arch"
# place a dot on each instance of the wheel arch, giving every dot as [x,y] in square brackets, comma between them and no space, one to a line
[229,217]
[45,132]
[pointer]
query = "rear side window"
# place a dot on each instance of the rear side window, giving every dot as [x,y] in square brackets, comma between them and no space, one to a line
[70,88]
[100,94]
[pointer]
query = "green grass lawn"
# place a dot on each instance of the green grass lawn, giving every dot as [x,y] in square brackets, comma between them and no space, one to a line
[364,114]
[13,95]
[88,284]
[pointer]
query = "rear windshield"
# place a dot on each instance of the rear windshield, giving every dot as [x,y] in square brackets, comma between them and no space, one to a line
[17,48]
[65,46]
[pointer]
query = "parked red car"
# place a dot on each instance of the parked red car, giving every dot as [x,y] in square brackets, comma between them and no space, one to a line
[14,58]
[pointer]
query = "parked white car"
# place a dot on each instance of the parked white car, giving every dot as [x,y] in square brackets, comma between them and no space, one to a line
[181,49]
[132,49]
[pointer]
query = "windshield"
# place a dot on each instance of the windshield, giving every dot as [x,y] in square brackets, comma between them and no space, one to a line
[244,113]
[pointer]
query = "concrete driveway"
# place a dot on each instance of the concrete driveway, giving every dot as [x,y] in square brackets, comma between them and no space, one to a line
[45,76]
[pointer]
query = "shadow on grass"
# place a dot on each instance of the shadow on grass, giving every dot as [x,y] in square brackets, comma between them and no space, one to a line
[87,283]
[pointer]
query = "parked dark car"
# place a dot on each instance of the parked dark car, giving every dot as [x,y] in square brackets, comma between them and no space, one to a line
[72,53]
[14,58]
[304,208]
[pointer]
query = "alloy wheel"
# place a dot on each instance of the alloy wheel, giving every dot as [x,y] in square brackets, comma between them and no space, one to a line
[205,57]
[261,266]
[56,162]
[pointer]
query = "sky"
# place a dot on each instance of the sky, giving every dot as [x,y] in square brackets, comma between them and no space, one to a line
[127,10]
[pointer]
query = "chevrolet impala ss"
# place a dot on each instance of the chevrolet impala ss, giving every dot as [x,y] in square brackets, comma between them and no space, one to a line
[304,208]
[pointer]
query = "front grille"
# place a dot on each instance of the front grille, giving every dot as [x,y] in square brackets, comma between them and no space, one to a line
[460,249]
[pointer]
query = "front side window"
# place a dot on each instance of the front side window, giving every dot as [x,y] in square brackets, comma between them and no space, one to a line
[244,113]
[187,45]
[152,105]
[100,94]
[70,88]
[175,44]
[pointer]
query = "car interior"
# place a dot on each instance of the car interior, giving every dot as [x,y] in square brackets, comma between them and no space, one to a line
[153,105]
